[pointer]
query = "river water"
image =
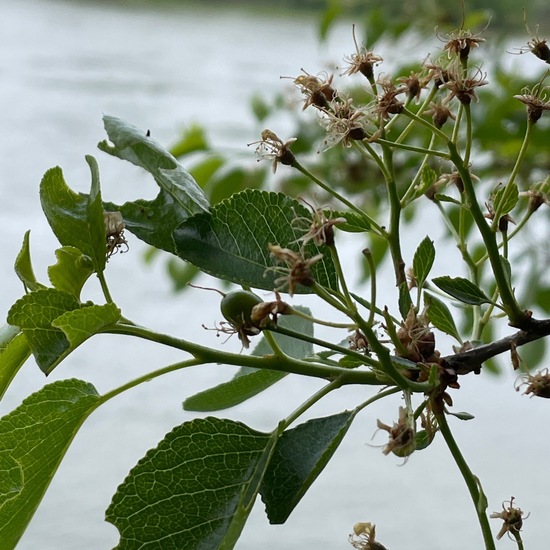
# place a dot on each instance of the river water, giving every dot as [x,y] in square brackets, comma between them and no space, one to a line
[63,65]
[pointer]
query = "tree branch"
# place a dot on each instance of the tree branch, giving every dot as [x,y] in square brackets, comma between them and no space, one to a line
[471,360]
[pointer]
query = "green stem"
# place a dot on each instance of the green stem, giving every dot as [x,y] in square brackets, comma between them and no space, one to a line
[471,481]
[298,313]
[366,149]
[372,268]
[413,189]
[341,277]
[431,127]
[299,411]
[516,316]
[394,236]
[365,359]
[337,195]
[517,536]
[288,364]
[104,287]
[522,152]
[414,149]
[148,377]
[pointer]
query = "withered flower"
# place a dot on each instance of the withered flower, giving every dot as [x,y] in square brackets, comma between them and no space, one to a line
[512,517]
[536,46]
[413,85]
[266,313]
[363,537]
[537,384]
[416,337]
[440,113]
[440,75]
[537,196]
[362,61]
[461,42]
[320,228]
[402,441]
[297,270]
[317,89]
[388,104]
[114,233]
[536,99]
[463,87]
[272,147]
[343,124]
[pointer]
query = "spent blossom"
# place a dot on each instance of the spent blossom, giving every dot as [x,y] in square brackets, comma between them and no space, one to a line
[317,89]
[463,87]
[343,123]
[296,271]
[536,99]
[460,43]
[272,147]
[362,61]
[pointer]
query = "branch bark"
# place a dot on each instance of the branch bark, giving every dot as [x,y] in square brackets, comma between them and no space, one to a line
[471,360]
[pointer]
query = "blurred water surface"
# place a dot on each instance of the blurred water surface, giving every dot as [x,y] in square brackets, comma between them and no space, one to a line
[63,65]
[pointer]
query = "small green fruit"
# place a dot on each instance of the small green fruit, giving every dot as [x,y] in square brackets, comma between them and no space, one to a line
[237,306]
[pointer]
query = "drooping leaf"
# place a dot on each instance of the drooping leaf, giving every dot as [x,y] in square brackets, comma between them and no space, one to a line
[249,382]
[75,219]
[80,324]
[134,145]
[34,313]
[231,242]
[462,289]
[33,440]
[23,266]
[423,261]
[95,218]
[14,351]
[194,490]
[299,457]
[71,271]
[440,316]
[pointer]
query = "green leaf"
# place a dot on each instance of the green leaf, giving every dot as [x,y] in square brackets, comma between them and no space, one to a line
[34,313]
[14,351]
[423,261]
[299,457]
[194,490]
[445,198]
[73,217]
[132,144]
[461,289]
[404,300]
[428,178]
[23,266]
[71,271]
[440,316]
[249,382]
[328,17]
[192,140]
[504,200]
[79,324]
[354,222]
[33,440]
[231,242]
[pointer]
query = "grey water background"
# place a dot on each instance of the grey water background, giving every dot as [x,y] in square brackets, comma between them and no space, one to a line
[163,66]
